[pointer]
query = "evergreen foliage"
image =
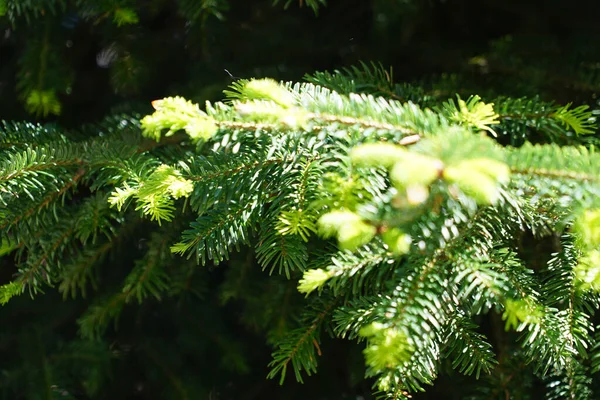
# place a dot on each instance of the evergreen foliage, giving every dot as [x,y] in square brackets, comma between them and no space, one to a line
[443,231]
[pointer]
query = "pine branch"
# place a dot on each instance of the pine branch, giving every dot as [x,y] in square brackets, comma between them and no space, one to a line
[213,234]
[365,270]
[367,111]
[469,351]
[286,253]
[75,275]
[550,169]
[313,4]
[356,313]
[149,276]
[201,10]
[98,316]
[16,135]
[575,384]
[30,9]
[28,210]
[301,347]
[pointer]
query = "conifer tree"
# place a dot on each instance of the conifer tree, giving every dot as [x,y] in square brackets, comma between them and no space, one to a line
[444,232]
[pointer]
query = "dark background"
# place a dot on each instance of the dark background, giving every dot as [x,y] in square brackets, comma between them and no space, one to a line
[203,348]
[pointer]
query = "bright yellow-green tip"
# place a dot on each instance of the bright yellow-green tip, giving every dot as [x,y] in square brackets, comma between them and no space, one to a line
[312,280]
